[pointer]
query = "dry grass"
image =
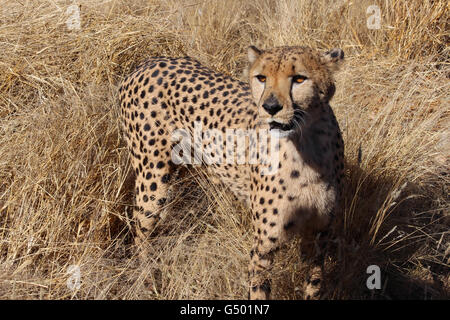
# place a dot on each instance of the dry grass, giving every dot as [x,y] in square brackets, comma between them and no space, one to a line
[65,178]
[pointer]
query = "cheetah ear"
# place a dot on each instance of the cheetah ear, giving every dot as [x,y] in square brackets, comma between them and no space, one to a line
[253,54]
[333,58]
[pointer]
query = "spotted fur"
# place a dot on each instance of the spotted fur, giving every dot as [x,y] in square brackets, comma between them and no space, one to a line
[288,92]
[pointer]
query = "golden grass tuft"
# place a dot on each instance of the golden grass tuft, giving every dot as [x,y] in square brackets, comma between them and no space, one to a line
[65,179]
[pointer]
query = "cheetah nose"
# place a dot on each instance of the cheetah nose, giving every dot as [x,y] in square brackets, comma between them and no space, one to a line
[272,106]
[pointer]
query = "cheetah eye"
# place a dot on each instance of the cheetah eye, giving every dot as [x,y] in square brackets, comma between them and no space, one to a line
[298,78]
[261,78]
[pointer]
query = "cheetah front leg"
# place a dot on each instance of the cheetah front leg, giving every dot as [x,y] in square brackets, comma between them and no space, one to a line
[266,244]
[267,238]
[313,252]
[261,261]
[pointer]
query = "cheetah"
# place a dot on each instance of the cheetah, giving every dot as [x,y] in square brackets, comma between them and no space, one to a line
[287,94]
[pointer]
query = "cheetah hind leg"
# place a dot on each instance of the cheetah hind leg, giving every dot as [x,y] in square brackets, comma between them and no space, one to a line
[152,192]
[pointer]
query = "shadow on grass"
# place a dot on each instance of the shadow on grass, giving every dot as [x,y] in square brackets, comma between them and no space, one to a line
[409,245]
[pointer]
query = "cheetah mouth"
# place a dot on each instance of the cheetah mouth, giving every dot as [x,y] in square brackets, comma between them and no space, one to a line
[287,127]
[281,126]
[280,130]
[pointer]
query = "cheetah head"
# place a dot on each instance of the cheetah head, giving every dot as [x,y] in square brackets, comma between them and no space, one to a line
[289,84]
